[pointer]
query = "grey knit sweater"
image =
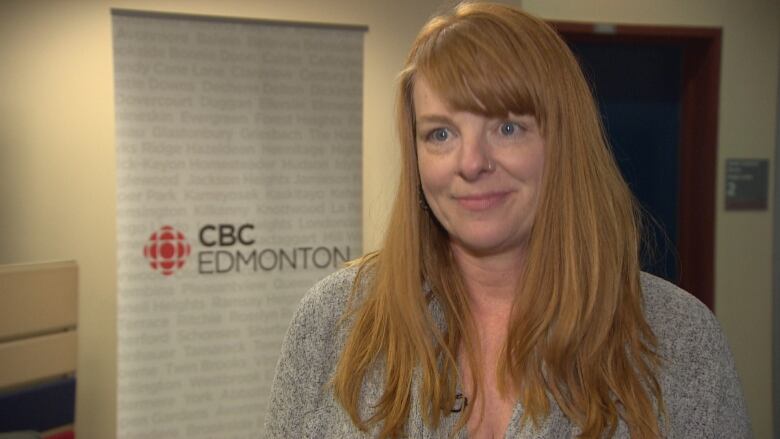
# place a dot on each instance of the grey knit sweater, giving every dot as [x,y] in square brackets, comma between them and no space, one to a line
[700,385]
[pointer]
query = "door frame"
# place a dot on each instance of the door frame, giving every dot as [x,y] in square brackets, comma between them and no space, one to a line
[698,143]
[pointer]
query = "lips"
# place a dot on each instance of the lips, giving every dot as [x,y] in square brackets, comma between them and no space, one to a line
[480,202]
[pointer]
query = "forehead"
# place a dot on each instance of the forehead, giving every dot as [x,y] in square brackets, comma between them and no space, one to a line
[427,100]
[429,103]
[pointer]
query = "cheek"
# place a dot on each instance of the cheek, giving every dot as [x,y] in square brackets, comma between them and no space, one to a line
[434,173]
[525,167]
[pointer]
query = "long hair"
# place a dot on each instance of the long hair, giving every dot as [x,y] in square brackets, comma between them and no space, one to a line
[577,333]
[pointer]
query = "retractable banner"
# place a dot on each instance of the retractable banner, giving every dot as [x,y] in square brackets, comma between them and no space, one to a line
[238,187]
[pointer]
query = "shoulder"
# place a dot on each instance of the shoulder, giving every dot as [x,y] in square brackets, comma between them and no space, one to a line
[318,314]
[684,326]
[328,298]
[700,386]
[668,306]
[308,356]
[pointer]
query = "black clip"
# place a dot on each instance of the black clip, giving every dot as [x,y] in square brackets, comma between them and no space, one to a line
[461,402]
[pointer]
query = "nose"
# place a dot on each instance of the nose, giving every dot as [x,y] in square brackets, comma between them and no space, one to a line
[475,157]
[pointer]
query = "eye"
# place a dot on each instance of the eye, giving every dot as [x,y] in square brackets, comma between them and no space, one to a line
[509,128]
[438,135]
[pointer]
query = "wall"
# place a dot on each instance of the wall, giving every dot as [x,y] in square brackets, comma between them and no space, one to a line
[776,281]
[57,162]
[748,95]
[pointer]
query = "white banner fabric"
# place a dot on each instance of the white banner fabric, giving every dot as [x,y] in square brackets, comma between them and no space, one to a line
[238,186]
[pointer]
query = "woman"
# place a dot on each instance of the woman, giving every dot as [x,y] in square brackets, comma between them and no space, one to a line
[507,299]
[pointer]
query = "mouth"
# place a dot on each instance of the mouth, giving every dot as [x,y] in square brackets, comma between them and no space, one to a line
[480,202]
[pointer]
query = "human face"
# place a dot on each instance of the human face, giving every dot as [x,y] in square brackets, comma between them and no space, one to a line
[480,175]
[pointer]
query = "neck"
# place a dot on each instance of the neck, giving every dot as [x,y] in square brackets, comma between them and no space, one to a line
[491,280]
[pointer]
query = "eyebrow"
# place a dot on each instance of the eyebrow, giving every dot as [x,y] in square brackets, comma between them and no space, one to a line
[433,118]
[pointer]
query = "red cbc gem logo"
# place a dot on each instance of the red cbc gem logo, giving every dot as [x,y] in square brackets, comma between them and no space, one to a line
[167,250]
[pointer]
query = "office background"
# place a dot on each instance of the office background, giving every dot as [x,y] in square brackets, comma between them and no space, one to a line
[57,151]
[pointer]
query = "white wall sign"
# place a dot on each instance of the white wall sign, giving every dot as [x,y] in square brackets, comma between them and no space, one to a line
[239,185]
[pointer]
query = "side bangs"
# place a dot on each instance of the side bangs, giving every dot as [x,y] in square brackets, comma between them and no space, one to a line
[478,72]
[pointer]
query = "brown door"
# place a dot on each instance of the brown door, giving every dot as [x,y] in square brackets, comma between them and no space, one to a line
[699,50]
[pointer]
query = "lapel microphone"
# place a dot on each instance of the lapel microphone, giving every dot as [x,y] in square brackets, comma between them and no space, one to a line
[461,402]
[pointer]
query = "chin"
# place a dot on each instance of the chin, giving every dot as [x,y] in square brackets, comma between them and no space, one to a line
[487,244]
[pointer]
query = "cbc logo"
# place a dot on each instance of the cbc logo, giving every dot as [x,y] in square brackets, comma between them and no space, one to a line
[167,250]
[225,235]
